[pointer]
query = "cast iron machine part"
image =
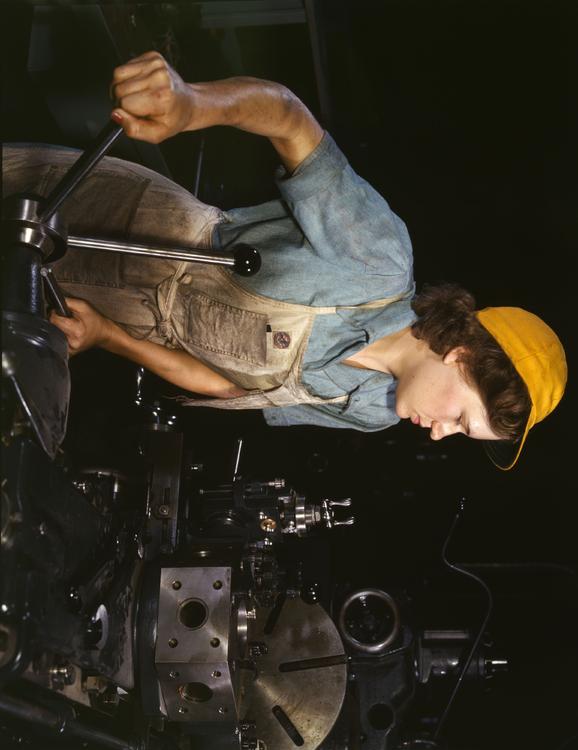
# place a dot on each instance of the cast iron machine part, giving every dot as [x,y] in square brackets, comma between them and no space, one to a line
[266,509]
[35,352]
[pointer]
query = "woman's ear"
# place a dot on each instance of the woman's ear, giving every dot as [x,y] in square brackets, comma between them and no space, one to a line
[455,355]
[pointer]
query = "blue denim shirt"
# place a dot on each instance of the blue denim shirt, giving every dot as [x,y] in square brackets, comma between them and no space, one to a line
[331,240]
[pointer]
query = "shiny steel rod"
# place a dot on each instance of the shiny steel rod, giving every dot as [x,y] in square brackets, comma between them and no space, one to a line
[131,248]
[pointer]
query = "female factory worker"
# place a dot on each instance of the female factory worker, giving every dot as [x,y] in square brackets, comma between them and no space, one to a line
[329,331]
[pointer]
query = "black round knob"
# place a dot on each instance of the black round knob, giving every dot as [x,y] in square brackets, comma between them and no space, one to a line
[247,260]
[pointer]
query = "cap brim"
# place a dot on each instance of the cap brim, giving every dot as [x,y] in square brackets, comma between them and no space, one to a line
[504,453]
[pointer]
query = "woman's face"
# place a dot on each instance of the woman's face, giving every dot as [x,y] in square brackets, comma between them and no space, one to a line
[435,395]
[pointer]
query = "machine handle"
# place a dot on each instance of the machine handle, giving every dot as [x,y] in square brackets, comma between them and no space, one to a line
[55,292]
[79,169]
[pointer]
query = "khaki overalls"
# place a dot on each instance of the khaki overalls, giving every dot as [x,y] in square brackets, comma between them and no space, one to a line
[256,342]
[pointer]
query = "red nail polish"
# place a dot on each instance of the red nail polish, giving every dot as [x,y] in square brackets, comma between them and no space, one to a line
[116,116]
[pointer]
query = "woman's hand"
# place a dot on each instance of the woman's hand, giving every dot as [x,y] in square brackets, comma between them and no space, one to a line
[86,329]
[153,101]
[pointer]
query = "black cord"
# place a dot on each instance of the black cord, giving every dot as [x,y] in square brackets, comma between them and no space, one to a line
[466,664]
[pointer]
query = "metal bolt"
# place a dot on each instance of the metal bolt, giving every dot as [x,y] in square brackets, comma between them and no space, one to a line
[173,674]
[218,585]
[163,510]
[222,709]
[173,643]
[216,673]
[182,709]
[177,585]
[215,642]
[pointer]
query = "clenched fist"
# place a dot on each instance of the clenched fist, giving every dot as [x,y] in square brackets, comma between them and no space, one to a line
[87,327]
[153,101]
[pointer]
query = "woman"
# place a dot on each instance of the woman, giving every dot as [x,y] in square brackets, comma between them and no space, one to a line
[328,332]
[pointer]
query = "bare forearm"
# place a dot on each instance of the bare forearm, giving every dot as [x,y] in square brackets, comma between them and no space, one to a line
[258,106]
[175,366]
[251,104]
[154,103]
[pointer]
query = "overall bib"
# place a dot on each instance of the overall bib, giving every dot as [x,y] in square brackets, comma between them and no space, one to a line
[255,341]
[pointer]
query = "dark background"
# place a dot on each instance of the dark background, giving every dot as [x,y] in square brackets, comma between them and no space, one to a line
[463,115]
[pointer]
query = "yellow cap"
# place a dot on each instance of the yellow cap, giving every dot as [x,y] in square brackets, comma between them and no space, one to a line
[538,356]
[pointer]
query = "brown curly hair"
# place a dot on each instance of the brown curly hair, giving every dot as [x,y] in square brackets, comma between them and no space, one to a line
[446,319]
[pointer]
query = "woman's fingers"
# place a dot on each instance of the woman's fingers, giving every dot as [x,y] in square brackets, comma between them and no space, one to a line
[78,305]
[139,128]
[152,102]
[130,86]
[149,80]
[71,328]
[138,66]
[85,329]
[61,322]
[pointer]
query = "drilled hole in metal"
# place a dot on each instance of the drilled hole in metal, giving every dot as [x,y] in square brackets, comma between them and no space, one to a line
[196,692]
[193,614]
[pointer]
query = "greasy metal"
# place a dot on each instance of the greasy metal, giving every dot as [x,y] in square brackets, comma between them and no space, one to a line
[73,690]
[369,648]
[37,364]
[310,698]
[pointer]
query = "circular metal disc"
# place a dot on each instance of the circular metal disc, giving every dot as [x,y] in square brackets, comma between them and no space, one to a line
[297,691]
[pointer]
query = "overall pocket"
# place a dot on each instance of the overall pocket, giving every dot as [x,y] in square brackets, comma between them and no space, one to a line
[225,332]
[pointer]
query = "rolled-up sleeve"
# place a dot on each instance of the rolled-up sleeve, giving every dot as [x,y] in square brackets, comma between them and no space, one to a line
[343,218]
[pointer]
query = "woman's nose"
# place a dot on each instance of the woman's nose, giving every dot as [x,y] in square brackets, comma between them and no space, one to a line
[441,430]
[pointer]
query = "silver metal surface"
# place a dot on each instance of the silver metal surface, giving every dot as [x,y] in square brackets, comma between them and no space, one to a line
[133,248]
[21,223]
[243,626]
[194,663]
[237,460]
[328,513]
[101,615]
[305,516]
[291,676]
